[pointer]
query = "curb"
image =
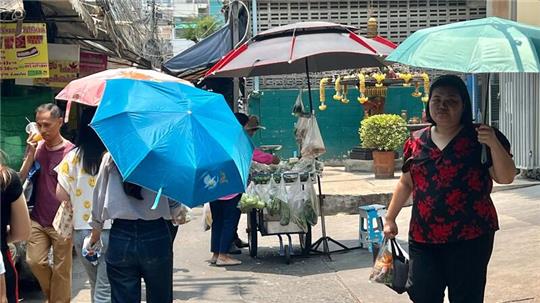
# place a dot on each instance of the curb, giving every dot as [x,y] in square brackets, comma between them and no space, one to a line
[348,204]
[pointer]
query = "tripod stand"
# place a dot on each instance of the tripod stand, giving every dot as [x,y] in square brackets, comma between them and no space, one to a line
[325,239]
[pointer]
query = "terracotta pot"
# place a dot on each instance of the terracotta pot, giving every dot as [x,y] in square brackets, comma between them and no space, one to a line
[383,164]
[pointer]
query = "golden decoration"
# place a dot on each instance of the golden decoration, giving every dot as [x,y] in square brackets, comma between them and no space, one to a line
[86,217]
[425,98]
[406,77]
[362,88]
[78,192]
[322,93]
[87,204]
[416,92]
[379,77]
[337,87]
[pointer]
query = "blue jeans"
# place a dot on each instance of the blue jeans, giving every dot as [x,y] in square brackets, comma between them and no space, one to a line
[99,283]
[225,216]
[140,249]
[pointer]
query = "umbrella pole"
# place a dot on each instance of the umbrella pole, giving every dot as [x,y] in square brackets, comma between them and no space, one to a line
[324,239]
[309,88]
[484,106]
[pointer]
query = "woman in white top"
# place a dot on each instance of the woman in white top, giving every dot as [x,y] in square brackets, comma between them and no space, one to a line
[77,175]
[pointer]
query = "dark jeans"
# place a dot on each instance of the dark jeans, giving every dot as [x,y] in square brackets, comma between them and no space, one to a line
[460,266]
[140,249]
[12,289]
[225,216]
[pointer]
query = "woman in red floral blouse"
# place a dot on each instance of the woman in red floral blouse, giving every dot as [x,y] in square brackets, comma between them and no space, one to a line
[453,217]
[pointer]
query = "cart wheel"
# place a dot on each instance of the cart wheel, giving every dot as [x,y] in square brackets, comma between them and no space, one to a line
[305,242]
[252,234]
[287,250]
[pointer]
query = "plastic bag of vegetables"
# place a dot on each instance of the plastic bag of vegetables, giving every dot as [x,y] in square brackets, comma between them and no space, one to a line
[274,205]
[297,199]
[250,199]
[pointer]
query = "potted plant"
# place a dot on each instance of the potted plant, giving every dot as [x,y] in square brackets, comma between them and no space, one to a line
[385,134]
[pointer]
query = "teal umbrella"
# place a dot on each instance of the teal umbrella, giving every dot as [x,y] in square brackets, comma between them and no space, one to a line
[488,45]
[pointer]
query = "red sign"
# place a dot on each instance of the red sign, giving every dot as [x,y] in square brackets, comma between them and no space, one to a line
[91,63]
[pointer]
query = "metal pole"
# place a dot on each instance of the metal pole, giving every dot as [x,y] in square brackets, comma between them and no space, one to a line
[513,10]
[326,249]
[309,88]
[234,31]
[254,22]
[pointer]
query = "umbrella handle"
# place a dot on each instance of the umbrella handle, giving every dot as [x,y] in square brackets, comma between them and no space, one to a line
[483,157]
[158,196]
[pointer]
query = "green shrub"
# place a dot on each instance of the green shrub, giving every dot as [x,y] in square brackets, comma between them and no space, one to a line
[383,132]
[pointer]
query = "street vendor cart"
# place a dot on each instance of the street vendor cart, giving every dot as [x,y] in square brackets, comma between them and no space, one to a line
[276,220]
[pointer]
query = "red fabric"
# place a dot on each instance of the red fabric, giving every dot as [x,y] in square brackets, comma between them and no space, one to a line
[46,202]
[385,41]
[261,157]
[451,188]
[359,39]
[16,281]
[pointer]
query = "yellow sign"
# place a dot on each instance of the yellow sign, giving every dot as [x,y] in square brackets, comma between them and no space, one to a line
[61,73]
[63,65]
[25,55]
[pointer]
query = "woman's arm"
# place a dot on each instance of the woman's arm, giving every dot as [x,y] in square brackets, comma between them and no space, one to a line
[399,198]
[100,191]
[61,193]
[503,170]
[19,227]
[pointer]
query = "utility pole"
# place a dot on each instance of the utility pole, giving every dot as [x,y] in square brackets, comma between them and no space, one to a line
[234,23]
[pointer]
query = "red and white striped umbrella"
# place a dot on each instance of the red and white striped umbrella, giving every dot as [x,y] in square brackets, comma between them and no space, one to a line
[302,47]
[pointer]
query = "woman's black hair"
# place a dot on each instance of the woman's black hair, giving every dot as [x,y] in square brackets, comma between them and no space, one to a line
[455,82]
[132,190]
[91,148]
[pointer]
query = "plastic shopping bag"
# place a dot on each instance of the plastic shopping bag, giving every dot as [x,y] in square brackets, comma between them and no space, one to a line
[298,107]
[206,217]
[297,198]
[313,145]
[391,266]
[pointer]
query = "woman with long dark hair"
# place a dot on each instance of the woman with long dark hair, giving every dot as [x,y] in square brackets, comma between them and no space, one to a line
[76,183]
[15,214]
[140,241]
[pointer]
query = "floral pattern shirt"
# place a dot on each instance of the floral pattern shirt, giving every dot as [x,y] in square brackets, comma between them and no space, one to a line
[451,188]
[80,186]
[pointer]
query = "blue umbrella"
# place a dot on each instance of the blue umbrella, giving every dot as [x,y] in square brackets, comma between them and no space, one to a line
[177,140]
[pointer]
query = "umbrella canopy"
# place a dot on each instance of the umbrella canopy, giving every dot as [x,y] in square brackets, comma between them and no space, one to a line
[282,50]
[488,45]
[174,139]
[89,90]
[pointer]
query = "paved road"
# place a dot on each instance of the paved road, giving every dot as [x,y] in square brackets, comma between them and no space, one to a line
[513,275]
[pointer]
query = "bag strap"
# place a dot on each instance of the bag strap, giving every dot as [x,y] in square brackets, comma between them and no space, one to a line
[396,249]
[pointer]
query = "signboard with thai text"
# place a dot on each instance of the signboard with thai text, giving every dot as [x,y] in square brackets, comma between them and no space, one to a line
[24,55]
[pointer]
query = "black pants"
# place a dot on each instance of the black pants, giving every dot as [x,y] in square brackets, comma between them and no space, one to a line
[460,266]
[225,216]
[140,249]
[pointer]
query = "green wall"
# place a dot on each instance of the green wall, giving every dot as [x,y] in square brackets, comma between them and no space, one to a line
[339,123]
[21,102]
